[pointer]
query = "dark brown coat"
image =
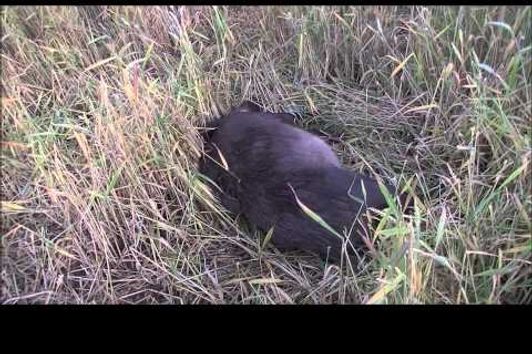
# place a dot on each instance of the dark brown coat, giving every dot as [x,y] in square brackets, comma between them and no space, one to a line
[261,162]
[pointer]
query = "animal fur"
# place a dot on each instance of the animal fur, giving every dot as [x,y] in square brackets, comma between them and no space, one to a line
[269,171]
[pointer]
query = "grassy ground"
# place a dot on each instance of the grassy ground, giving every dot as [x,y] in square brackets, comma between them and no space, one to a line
[102,202]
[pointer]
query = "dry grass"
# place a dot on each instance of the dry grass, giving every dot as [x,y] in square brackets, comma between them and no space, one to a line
[101,110]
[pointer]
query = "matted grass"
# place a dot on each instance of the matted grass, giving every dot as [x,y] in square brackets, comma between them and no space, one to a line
[102,109]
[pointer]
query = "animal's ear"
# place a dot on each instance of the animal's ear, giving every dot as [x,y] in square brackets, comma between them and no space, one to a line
[248,106]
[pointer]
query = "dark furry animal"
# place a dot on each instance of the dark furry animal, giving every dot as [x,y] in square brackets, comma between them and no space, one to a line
[269,171]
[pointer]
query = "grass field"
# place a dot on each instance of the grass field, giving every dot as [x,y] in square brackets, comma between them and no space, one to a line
[102,109]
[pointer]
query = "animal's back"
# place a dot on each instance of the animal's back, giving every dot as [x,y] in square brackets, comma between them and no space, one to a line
[252,142]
